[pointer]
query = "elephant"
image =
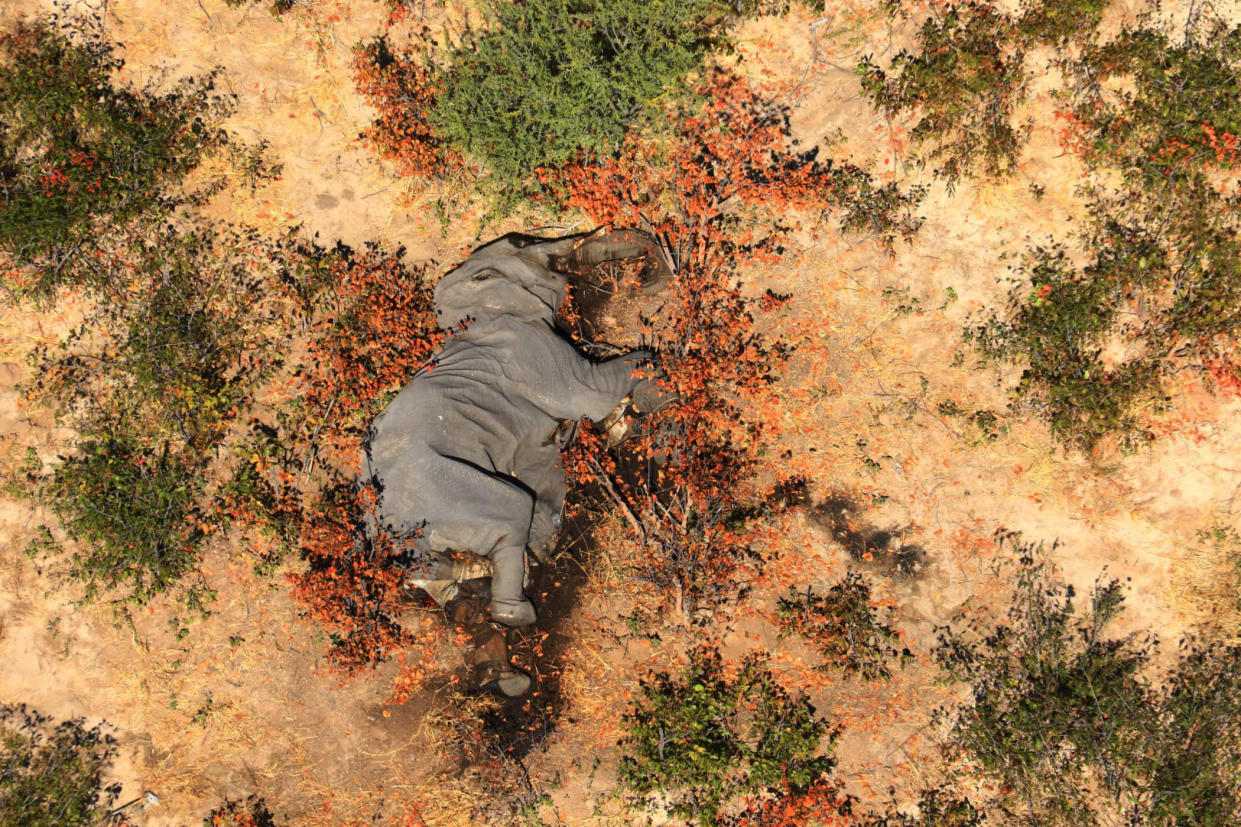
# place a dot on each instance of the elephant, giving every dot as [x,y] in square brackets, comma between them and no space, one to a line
[465,458]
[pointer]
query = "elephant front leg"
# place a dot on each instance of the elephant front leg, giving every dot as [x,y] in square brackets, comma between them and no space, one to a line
[508,600]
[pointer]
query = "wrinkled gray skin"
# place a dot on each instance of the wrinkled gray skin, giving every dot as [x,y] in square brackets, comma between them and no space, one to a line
[466,457]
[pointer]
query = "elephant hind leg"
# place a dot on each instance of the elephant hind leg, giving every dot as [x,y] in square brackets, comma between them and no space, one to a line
[508,600]
[502,677]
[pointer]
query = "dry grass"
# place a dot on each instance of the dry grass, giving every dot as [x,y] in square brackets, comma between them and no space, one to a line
[1206,583]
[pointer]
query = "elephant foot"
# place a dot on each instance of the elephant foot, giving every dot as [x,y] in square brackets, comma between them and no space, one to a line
[514,613]
[503,678]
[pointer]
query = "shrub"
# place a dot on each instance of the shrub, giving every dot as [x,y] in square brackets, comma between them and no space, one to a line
[166,347]
[546,81]
[132,508]
[1188,759]
[1052,697]
[704,738]
[52,775]
[969,75]
[153,380]
[844,627]
[726,169]
[276,7]
[965,83]
[353,583]
[371,327]
[1065,721]
[1058,322]
[81,157]
[1158,293]
[400,88]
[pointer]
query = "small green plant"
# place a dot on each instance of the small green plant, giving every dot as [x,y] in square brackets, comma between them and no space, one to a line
[1065,720]
[843,625]
[19,482]
[52,775]
[705,738]
[882,211]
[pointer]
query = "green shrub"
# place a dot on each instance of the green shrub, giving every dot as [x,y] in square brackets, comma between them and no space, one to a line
[132,509]
[1189,759]
[965,82]
[52,775]
[180,340]
[153,380]
[81,157]
[1064,719]
[1157,291]
[1058,322]
[548,81]
[843,625]
[704,738]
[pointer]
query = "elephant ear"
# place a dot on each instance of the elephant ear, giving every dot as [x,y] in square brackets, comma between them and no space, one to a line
[605,245]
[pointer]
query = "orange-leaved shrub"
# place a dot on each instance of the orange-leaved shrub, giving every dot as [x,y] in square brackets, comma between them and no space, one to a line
[727,168]
[400,88]
[371,328]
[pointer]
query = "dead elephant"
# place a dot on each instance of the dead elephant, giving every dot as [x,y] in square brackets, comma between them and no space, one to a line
[466,457]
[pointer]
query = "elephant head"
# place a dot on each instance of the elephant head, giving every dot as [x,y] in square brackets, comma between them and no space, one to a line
[524,276]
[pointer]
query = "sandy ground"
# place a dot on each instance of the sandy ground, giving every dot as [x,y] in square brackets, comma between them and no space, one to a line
[241,704]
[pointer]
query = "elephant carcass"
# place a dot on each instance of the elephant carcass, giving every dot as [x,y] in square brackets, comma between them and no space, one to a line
[466,457]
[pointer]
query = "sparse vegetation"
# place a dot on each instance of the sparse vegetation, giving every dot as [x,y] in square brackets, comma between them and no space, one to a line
[969,77]
[85,160]
[152,380]
[1068,723]
[1108,324]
